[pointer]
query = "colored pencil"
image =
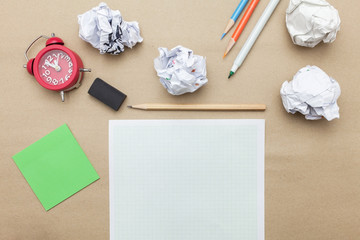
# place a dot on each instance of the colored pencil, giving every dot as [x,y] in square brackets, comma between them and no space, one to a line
[254,35]
[241,25]
[200,107]
[235,16]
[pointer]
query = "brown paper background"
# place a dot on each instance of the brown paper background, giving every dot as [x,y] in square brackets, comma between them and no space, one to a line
[312,167]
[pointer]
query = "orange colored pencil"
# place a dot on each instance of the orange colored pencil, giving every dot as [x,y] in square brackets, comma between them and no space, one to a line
[241,25]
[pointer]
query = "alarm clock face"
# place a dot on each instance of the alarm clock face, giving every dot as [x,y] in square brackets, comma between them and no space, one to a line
[55,67]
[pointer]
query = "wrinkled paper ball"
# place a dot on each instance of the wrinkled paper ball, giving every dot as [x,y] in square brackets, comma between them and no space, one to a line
[106,30]
[180,71]
[311,21]
[313,93]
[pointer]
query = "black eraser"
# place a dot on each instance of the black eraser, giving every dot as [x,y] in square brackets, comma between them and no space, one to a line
[107,94]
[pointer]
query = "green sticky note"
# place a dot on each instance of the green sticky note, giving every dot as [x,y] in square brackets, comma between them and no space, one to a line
[55,167]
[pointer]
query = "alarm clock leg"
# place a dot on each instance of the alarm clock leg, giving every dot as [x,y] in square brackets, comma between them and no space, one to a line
[62,94]
[85,69]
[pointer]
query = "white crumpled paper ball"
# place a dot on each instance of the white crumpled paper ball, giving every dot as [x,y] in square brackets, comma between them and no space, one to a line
[311,21]
[313,93]
[180,71]
[106,30]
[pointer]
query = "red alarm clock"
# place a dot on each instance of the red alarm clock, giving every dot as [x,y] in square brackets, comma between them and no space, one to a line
[56,67]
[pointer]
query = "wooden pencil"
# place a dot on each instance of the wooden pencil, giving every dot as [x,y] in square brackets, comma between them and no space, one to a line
[200,107]
[241,25]
[235,16]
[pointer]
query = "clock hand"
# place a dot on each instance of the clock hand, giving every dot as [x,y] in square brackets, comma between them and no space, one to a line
[50,64]
[57,60]
[56,67]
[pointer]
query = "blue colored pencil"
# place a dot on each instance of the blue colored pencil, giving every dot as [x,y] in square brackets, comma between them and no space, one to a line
[235,16]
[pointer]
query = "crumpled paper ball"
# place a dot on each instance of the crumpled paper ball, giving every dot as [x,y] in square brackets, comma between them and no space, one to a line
[180,71]
[311,21]
[106,30]
[313,93]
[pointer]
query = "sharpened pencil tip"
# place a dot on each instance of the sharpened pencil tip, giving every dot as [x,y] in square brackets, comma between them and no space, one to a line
[129,106]
[230,74]
[223,35]
[224,55]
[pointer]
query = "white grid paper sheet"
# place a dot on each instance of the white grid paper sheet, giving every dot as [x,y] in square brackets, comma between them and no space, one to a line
[186,179]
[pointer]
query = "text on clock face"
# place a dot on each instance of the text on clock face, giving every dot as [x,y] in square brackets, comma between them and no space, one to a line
[55,67]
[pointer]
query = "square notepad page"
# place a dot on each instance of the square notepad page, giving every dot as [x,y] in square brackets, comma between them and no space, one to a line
[186,179]
[55,167]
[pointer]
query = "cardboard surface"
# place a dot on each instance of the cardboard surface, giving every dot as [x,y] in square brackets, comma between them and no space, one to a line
[312,180]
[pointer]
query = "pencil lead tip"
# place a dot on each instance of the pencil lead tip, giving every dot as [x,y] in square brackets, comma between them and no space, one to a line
[224,55]
[129,106]
[223,35]
[230,74]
